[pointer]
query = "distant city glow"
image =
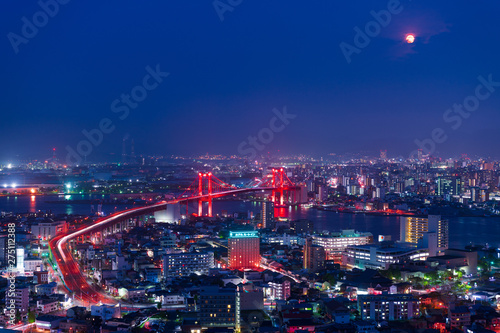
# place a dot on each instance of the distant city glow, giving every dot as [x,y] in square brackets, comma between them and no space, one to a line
[332,182]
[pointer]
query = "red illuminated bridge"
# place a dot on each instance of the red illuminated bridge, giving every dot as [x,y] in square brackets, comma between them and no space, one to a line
[205,188]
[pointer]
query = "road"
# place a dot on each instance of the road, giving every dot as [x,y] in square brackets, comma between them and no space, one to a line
[282,272]
[74,279]
[23,327]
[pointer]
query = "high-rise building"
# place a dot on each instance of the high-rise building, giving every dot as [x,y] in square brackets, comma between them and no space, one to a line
[244,249]
[20,297]
[219,307]
[379,193]
[322,193]
[449,185]
[475,194]
[399,187]
[335,243]
[485,195]
[314,256]
[250,297]
[430,232]
[267,214]
[20,260]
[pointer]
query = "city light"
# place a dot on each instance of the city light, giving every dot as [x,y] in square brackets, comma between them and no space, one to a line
[351,183]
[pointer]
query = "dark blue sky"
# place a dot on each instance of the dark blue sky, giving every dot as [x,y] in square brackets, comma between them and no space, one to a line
[227,76]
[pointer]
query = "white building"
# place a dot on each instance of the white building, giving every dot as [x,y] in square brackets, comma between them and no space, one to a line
[278,290]
[46,289]
[132,294]
[171,301]
[381,256]
[20,260]
[184,264]
[172,214]
[120,263]
[31,264]
[335,243]
[47,230]
[47,305]
[106,312]
[284,239]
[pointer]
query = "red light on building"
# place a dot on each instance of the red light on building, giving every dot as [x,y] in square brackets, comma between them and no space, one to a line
[243,249]
[439,326]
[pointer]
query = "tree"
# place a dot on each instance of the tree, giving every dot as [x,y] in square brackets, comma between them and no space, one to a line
[432,276]
[31,317]
[18,316]
[330,278]
[391,273]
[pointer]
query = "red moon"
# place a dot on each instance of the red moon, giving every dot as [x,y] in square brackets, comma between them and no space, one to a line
[410,38]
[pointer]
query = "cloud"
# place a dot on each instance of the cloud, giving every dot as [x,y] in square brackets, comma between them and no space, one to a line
[422,24]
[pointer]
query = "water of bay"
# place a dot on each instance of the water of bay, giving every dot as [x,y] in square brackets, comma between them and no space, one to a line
[463,230]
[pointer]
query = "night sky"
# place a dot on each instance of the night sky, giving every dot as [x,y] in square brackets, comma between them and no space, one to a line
[226,76]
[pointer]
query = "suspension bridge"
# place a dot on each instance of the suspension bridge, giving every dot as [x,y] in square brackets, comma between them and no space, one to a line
[205,188]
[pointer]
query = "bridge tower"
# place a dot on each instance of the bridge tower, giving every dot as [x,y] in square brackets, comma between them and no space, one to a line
[208,194]
[281,183]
